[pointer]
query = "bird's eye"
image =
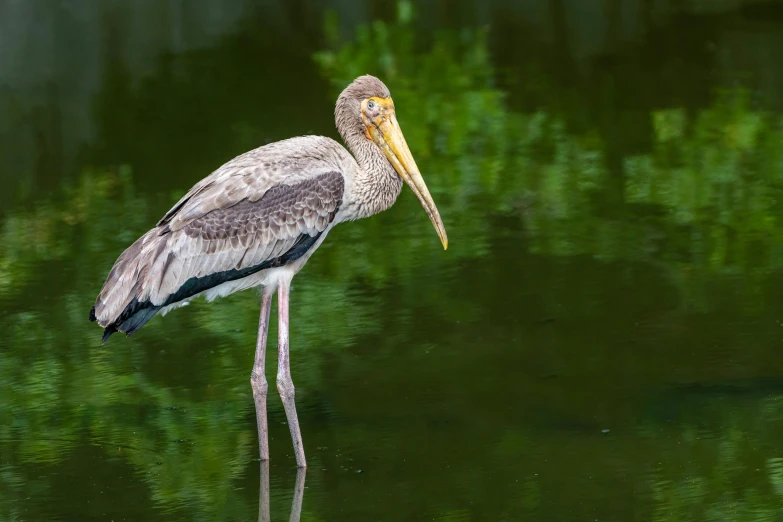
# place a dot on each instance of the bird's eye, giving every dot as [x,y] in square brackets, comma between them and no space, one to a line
[371,105]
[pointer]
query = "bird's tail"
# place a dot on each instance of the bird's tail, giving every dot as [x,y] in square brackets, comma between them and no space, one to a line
[123,304]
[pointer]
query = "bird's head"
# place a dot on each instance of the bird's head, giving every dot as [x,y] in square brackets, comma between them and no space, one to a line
[365,108]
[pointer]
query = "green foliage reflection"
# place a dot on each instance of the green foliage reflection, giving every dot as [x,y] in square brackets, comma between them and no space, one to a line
[514,189]
[705,199]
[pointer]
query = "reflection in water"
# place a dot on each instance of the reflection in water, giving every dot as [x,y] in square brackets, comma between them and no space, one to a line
[263,496]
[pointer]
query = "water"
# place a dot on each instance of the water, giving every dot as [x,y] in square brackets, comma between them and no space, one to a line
[601,341]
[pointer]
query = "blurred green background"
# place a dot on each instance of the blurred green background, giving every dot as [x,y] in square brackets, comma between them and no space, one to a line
[601,341]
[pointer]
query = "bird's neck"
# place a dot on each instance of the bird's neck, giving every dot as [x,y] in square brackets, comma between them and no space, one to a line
[376,184]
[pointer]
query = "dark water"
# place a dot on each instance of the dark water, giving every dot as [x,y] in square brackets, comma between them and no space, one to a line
[603,340]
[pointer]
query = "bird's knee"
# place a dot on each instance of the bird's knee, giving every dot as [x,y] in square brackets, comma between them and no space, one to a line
[286,388]
[258,383]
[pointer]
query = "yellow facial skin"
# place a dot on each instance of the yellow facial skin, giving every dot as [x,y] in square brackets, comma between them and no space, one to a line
[382,128]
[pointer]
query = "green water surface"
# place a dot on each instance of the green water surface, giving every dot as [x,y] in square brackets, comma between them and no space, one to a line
[603,339]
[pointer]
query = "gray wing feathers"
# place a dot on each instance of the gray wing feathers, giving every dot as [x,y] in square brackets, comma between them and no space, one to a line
[251,174]
[249,233]
[127,278]
[232,220]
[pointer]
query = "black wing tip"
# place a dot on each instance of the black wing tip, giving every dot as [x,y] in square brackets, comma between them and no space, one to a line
[92,314]
[107,333]
[131,324]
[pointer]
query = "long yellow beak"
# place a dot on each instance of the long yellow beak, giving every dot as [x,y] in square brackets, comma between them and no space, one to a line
[386,133]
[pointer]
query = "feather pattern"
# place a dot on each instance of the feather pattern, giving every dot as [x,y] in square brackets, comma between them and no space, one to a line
[168,265]
[250,175]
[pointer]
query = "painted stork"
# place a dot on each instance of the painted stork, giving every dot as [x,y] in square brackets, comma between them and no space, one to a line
[256,221]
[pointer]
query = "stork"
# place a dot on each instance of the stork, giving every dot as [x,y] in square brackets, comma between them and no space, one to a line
[256,220]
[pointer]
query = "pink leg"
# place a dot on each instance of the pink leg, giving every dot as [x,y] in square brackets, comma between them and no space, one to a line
[284,384]
[258,378]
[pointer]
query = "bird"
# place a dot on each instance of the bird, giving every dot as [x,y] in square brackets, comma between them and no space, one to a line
[256,220]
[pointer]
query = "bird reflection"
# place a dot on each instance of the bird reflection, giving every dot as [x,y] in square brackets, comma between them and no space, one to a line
[263,497]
